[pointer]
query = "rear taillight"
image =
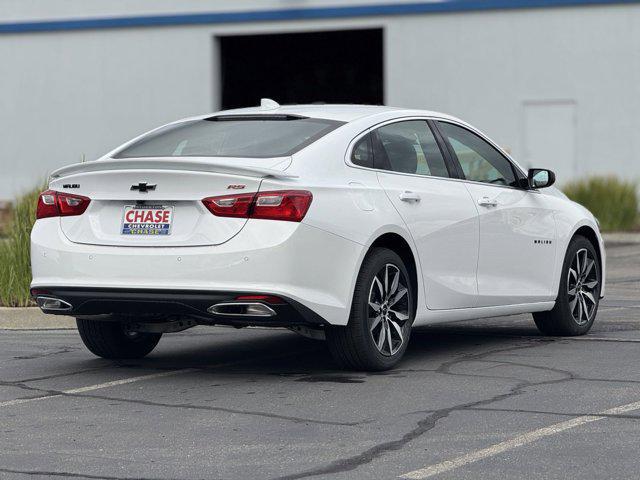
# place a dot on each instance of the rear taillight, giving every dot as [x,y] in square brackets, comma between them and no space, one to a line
[230,205]
[288,205]
[58,204]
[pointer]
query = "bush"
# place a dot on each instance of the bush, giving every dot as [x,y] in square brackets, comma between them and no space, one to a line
[612,201]
[15,262]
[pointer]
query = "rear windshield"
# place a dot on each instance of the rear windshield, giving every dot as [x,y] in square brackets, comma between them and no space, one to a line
[231,136]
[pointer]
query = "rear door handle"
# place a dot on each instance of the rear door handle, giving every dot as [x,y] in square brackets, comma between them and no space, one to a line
[408,196]
[487,202]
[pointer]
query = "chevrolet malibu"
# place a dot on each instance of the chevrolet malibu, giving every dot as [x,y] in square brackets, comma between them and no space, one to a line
[339,222]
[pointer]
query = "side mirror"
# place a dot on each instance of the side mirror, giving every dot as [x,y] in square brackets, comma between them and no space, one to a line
[541,178]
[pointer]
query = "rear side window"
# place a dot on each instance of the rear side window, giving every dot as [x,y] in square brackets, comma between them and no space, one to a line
[480,162]
[409,147]
[257,136]
[362,153]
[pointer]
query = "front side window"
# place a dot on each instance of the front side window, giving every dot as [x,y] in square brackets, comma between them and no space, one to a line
[480,161]
[257,136]
[409,147]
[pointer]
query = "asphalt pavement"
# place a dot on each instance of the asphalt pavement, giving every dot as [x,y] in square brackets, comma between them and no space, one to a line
[488,399]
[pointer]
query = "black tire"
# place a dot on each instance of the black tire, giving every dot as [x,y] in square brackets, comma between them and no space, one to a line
[108,339]
[562,321]
[353,346]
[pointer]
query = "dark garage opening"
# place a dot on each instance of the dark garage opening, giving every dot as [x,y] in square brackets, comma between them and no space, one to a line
[319,67]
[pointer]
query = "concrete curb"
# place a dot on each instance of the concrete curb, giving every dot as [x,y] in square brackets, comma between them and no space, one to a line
[31,318]
[613,239]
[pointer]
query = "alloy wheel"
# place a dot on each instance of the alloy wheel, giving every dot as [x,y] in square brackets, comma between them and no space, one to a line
[388,309]
[582,286]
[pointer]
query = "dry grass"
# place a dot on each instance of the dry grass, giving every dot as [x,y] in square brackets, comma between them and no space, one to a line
[614,202]
[15,261]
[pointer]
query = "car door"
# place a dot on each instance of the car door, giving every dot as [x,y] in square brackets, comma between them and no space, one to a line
[438,211]
[517,226]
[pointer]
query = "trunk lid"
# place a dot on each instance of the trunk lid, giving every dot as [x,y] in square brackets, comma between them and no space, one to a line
[127,196]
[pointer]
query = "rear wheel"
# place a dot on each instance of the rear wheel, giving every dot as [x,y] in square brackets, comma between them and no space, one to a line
[579,294]
[109,339]
[382,312]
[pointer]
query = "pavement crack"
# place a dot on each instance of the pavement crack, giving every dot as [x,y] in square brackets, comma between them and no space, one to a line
[566,373]
[351,463]
[211,408]
[527,343]
[52,376]
[41,391]
[430,421]
[73,475]
[46,354]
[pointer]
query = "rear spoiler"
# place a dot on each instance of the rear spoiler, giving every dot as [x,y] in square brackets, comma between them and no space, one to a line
[164,163]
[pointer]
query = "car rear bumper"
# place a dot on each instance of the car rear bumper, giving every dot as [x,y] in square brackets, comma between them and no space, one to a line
[295,261]
[89,302]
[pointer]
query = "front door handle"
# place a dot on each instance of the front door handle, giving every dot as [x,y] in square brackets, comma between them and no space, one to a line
[408,196]
[487,202]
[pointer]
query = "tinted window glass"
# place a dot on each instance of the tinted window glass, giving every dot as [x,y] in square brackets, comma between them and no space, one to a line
[362,153]
[409,147]
[231,137]
[479,160]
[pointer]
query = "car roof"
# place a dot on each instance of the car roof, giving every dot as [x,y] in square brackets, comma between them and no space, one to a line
[341,113]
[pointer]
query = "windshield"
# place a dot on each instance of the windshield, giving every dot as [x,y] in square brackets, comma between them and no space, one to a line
[257,136]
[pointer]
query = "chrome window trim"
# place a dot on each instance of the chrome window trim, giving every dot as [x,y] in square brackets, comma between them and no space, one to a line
[355,139]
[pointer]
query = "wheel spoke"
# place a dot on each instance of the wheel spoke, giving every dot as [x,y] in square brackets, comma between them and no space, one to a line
[585,258]
[572,304]
[396,298]
[591,285]
[394,283]
[390,342]
[589,296]
[588,267]
[578,269]
[381,337]
[579,309]
[573,273]
[376,306]
[572,291]
[386,282]
[377,283]
[376,322]
[399,315]
[397,329]
[584,307]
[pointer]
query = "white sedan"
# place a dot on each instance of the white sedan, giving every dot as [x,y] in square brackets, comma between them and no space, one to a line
[340,222]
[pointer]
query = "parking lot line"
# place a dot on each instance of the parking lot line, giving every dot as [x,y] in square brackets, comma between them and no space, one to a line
[515,442]
[151,376]
[97,386]
[606,339]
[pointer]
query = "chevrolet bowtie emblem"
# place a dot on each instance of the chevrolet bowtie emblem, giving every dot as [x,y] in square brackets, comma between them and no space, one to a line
[143,187]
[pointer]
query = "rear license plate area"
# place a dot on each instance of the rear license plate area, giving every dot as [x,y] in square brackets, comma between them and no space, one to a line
[147,220]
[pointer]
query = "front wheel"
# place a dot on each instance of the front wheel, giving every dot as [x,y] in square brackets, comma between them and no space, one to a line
[109,339]
[579,294]
[382,313]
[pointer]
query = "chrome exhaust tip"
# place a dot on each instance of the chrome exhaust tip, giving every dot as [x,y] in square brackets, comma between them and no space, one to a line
[55,304]
[242,309]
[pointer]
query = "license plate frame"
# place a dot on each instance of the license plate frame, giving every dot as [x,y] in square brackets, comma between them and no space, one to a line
[156,220]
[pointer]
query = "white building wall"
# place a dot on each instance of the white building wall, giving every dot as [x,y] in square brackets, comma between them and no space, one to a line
[69,95]
[79,94]
[487,67]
